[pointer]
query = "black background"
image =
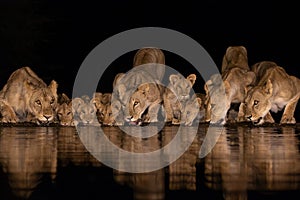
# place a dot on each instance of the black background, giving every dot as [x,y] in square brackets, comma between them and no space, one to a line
[53,37]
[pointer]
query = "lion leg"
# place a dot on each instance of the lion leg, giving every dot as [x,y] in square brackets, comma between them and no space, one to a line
[241,113]
[153,112]
[288,114]
[268,118]
[168,111]
[176,120]
[7,113]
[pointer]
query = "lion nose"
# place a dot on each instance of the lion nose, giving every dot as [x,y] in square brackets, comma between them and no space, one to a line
[249,117]
[47,116]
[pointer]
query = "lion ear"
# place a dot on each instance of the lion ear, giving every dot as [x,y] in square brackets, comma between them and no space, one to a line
[53,87]
[192,78]
[76,102]
[268,88]
[207,85]
[122,90]
[173,78]
[226,87]
[250,78]
[145,88]
[247,88]
[29,84]
[224,63]
[199,100]
[117,78]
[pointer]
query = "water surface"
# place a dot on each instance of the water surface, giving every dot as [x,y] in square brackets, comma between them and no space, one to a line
[246,163]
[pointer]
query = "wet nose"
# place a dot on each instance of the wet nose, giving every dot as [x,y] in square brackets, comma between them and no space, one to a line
[47,116]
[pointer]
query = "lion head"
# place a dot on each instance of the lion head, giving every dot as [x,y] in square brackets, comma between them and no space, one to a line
[217,102]
[64,114]
[84,111]
[64,110]
[141,103]
[104,110]
[182,86]
[191,110]
[42,102]
[258,102]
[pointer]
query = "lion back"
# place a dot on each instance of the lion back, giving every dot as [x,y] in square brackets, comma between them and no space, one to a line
[235,56]
[151,55]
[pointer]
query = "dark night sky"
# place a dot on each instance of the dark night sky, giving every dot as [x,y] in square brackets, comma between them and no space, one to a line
[54,36]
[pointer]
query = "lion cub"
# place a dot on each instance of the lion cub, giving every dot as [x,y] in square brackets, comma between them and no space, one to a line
[176,95]
[103,106]
[84,111]
[274,91]
[64,110]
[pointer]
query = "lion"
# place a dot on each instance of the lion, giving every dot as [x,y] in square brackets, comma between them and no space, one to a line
[104,110]
[223,91]
[228,88]
[148,67]
[145,102]
[125,86]
[235,56]
[29,97]
[84,111]
[64,110]
[176,95]
[276,90]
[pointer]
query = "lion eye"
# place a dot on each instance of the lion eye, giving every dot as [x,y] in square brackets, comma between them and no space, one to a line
[38,102]
[52,101]
[255,102]
[135,103]
[68,113]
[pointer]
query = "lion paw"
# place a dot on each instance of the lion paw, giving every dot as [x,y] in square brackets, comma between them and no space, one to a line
[176,121]
[9,119]
[287,120]
[8,115]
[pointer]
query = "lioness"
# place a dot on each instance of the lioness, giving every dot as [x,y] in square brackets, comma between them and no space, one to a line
[146,100]
[228,88]
[274,91]
[29,97]
[223,91]
[148,67]
[176,95]
[124,88]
